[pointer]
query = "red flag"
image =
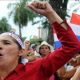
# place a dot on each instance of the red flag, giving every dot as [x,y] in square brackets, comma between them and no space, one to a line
[75,19]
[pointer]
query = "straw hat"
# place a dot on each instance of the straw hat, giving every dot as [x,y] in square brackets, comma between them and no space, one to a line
[44,43]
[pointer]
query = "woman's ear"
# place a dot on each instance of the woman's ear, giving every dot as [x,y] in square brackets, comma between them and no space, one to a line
[21,52]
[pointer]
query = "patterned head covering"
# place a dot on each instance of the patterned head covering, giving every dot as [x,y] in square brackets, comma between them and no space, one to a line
[15,36]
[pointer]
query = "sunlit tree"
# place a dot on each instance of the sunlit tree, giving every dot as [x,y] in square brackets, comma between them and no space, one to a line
[60,7]
[21,14]
[4,25]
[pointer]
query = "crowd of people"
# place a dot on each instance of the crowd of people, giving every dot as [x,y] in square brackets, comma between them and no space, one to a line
[70,71]
[28,61]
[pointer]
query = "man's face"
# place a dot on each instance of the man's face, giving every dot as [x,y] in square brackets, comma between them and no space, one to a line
[9,51]
[44,50]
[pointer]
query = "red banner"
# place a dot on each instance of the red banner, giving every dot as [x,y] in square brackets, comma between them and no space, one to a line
[75,19]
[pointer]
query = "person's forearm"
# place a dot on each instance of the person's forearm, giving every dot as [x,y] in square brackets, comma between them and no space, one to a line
[75,78]
[45,9]
[54,17]
[76,75]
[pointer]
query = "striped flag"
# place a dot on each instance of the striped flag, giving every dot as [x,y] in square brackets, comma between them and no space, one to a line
[56,43]
[75,19]
[75,25]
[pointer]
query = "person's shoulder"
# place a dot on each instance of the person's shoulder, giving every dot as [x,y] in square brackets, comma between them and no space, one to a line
[35,63]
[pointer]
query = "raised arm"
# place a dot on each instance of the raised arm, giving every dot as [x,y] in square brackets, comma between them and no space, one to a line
[70,43]
[45,9]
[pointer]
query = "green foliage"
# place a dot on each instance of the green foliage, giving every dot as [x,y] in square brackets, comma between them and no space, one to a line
[60,7]
[36,40]
[23,38]
[21,14]
[4,26]
[45,24]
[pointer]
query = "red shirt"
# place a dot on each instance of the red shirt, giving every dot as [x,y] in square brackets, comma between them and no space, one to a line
[43,68]
[52,77]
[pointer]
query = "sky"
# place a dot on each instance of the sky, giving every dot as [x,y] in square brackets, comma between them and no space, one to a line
[30,30]
[27,31]
[73,6]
